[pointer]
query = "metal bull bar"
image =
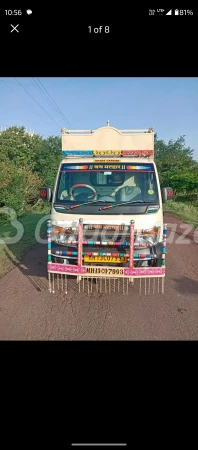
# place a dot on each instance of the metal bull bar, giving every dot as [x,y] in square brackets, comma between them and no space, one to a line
[106,278]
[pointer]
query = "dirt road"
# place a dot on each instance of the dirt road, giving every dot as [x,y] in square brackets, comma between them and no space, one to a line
[29,312]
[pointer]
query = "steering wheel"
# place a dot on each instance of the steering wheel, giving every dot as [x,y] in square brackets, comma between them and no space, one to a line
[72,197]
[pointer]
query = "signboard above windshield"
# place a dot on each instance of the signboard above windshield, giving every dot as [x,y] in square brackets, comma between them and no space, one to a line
[105,167]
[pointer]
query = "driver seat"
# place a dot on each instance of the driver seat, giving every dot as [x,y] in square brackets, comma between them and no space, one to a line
[64,195]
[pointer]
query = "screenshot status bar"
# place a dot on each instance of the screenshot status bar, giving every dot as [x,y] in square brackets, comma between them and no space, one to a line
[170,12]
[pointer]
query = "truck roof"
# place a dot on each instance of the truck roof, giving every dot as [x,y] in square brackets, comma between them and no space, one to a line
[106,141]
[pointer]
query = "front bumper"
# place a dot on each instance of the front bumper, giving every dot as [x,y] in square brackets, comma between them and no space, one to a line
[154,260]
[64,260]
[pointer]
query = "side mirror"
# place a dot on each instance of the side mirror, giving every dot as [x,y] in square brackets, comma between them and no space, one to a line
[167,194]
[46,193]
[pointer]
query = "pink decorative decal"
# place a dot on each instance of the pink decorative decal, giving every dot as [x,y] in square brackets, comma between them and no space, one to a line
[144,272]
[66,269]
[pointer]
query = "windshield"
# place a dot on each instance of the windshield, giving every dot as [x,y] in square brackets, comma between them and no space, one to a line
[106,183]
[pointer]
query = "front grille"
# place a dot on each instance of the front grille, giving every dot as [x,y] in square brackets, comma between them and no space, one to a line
[95,244]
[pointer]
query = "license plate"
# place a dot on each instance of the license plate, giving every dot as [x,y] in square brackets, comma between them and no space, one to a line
[102,271]
[105,259]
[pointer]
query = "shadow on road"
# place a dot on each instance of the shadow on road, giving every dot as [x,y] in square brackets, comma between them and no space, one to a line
[186,285]
[33,266]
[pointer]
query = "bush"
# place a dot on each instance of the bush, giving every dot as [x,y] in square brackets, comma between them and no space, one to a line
[19,187]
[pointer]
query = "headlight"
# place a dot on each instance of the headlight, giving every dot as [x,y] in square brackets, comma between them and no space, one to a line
[148,237]
[64,239]
[62,235]
[148,240]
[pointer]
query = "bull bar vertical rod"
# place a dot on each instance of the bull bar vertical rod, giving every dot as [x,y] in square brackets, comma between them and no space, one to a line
[80,232]
[49,250]
[131,252]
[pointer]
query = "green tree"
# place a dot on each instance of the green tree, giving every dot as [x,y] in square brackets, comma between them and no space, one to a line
[185,183]
[17,146]
[47,157]
[175,164]
[19,187]
[19,184]
[26,163]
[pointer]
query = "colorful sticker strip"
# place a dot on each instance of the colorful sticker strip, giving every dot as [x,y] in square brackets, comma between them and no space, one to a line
[109,244]
[131,244]
[49,240]
[104,167]
[140,153]
[115,255]
[163,255]
[104,243]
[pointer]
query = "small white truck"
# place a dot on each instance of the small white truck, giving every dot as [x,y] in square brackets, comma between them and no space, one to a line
[106,211]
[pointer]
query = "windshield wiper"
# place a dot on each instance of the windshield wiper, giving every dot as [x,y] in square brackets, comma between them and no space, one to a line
[124,203]
[81,204]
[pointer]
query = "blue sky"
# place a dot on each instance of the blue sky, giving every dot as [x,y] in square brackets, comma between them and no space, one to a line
[168,104]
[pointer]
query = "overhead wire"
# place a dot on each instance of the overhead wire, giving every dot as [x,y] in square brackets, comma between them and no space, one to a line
[44,95]
[21,98]
[53,103]
[37,103]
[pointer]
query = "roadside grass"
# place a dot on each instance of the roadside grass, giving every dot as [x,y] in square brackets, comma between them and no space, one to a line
[11,254]
[184,210]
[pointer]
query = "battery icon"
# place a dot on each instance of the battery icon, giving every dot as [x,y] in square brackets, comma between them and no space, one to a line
[176,12]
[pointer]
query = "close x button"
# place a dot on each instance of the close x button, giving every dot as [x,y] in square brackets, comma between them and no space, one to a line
[14,28]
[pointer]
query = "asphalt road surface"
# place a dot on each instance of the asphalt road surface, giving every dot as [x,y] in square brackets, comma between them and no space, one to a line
[29,312]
